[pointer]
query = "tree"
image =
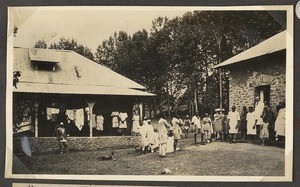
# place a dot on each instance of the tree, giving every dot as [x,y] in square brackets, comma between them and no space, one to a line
[40,44]
[176,59]
[67,44]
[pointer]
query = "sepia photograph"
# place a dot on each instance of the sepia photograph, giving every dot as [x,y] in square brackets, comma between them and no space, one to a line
[140,93]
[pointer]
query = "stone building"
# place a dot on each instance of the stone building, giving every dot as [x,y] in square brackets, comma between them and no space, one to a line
[258,71]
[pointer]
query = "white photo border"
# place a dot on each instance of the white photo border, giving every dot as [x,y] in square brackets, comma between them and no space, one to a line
[289,102]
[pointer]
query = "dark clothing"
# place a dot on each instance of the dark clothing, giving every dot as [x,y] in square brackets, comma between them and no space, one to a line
[243,123]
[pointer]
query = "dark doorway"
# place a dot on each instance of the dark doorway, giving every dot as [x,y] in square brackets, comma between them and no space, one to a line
[263,92]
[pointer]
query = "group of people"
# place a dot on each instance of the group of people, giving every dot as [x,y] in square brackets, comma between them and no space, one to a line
[261,124]
[258,124]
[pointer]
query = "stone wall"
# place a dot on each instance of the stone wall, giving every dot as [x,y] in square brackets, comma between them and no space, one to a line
[246,76]
[50,144]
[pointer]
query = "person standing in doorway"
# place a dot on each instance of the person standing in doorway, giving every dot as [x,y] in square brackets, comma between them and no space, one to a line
[258,110]
[233,120]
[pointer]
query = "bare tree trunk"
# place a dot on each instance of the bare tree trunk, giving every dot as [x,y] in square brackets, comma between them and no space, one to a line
[168,101]
[195,101]
[221,90]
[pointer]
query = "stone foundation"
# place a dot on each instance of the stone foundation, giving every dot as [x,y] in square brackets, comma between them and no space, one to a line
[50,144]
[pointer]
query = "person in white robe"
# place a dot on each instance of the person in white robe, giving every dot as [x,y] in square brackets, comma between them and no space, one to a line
[251,130]
[280,123]
[258,110]
[233,120]
[163,136]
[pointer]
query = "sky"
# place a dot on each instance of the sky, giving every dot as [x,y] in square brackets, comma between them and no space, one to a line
[87,25]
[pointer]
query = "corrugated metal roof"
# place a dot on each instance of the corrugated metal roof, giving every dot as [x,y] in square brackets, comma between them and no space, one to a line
[74,72]
[271,45]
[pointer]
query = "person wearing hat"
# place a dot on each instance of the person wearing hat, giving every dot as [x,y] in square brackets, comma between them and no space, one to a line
[206,127]
[186,126]
[233,120]
[62,138]
[218,124]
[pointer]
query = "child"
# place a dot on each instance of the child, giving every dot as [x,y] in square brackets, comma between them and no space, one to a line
[143,136]
[62,138]
[264,131]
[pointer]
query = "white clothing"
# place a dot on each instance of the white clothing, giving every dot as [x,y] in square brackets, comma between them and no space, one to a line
[162,130]
[79,118]
[99,122]
[115,119]
[196,121]
[123,116]
[259,107]
[280,123]
[250,118]
[143,136]
[156,141]
[50,112]
[135,123]
[70,114]
[175,121]
[170,144]
[233,117]
[150,134]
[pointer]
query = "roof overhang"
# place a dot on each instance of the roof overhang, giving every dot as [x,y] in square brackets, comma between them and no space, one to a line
[271,45]
[76,89]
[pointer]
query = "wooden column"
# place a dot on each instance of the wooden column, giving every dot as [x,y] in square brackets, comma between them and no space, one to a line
[91,106]
[221,91]
[141,110]
[36,114]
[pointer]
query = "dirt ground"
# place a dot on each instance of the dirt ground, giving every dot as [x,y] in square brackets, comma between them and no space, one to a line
[216,158]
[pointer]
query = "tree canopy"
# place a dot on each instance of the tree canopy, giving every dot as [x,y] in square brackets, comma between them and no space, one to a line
[176,59]
[67,44]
